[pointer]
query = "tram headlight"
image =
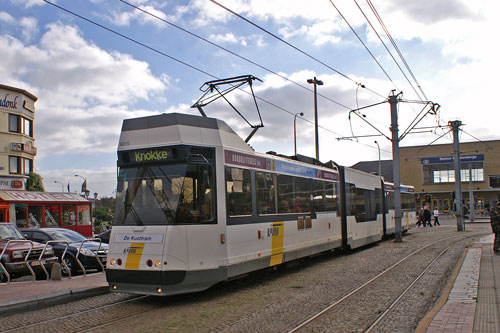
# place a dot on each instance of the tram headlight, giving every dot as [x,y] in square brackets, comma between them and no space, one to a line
[157,263]
[112,261]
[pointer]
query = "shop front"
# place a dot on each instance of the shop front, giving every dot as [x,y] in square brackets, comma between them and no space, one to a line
[47,210]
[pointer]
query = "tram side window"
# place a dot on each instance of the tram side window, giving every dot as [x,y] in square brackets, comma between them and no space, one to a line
[362,204]
[266,192]
[302,195]
[294,194]
[238,192]
[318,195]
[408,202]
[285,194]
[330,197]
[324,196]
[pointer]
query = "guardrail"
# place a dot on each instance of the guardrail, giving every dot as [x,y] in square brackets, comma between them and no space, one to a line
[96,253]
[62,261]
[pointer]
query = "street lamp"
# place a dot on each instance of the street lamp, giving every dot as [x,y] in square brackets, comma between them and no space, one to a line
[295,130]
[62,185]
[84,184]
[379,163]
[319,83]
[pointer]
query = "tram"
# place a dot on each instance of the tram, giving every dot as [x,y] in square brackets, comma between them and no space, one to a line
[196,205]
[408,207]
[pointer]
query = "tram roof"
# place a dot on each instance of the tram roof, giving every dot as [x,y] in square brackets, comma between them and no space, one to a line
[178,128]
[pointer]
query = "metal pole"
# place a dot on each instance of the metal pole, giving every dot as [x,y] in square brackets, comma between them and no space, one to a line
[393,101]
[471,195]
[316,82]
[379,163]
[458,181]
[295,131]
[316,134]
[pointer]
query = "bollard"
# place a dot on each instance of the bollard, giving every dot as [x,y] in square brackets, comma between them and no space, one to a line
[55,274]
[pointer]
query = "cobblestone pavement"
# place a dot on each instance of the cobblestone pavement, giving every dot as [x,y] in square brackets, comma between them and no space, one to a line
[278,300]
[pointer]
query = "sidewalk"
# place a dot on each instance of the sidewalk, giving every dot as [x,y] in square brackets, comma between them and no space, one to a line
[471,303]
[31,295]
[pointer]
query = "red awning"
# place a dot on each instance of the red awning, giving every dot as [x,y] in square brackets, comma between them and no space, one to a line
[23,196]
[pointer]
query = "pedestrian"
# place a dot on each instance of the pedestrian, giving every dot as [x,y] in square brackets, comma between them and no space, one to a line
[436,217]
[420,217]
[495,226]
[427,215]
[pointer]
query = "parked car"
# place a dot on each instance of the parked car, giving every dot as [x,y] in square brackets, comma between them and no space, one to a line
[87,255]
[104,236]
[18,255]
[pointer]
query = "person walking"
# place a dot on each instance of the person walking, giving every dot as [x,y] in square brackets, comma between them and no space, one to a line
[495,226]
[427,215]
[436,217]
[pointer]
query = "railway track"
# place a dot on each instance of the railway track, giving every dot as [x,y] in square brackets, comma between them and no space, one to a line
[331,308]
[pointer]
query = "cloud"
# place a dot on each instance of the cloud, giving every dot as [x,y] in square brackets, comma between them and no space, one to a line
[84,91]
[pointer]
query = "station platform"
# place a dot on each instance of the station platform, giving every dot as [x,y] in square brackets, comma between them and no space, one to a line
[470,302]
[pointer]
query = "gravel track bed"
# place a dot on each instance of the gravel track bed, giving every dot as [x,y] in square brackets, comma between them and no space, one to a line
[276,301]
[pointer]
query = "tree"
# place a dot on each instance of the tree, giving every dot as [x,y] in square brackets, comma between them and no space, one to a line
[35,183]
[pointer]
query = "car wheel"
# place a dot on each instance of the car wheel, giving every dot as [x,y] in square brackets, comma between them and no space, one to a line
[72,265]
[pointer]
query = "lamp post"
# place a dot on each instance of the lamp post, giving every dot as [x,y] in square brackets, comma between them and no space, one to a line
[62,185]
[84,184]
[295,131]
[316,82]
[379,163]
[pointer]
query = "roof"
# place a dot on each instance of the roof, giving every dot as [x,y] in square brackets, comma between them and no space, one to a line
[23,196]
[22,91]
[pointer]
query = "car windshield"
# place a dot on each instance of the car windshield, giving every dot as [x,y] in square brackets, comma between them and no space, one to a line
[66,235]
[9,232]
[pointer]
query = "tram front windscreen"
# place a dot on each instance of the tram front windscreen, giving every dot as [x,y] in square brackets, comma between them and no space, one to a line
[163,194]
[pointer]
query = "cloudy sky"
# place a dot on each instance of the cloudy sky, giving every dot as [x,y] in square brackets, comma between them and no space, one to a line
[134,63]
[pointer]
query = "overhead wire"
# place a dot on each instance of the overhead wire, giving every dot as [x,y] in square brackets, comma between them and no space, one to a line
[230,52]
[292,46]
[387,49]
[174,59]
[359,38]
[388,34]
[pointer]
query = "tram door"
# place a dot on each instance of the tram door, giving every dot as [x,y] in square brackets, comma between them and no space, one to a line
[446,205]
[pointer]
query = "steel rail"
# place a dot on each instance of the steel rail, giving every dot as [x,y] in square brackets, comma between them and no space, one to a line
[357,289]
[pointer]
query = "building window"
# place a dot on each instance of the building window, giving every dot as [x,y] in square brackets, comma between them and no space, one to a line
[494,181]
[27,166]
[18,124]
[445,172]
[14,164]
[27,127]
[13,123]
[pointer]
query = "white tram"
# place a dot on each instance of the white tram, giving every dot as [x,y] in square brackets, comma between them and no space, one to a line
[196,205]
[408,207]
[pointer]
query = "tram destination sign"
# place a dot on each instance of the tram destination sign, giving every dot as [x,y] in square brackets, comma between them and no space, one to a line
[150,155]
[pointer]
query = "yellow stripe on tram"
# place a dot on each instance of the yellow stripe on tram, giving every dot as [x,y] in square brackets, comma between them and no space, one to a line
[278,232]
[134,255]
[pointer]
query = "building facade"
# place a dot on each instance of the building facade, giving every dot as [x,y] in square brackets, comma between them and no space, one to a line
[17,141]
[430,169]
